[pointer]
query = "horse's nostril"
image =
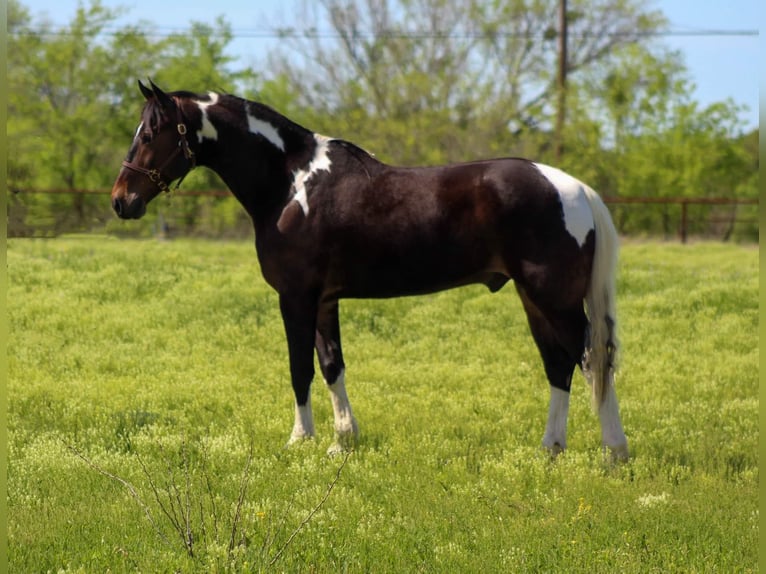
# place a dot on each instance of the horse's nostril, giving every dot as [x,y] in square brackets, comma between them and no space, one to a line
[130,207]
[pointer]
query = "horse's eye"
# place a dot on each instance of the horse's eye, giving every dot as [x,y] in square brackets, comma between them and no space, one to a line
[146,137]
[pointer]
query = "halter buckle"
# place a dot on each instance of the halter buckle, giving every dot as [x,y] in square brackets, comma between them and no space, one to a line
[155,175]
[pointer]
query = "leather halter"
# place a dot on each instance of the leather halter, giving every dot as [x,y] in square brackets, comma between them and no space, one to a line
[155,174]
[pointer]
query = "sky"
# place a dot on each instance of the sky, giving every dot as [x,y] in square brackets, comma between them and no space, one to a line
[721,67]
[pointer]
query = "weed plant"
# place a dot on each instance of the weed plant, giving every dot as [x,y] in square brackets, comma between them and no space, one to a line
[149,405]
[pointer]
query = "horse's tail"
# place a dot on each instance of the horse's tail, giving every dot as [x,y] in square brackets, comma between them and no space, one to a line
[601,345]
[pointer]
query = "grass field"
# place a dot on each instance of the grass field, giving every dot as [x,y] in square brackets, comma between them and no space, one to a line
[149,405]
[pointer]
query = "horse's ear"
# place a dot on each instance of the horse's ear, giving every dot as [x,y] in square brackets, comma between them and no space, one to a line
[164,100]
[144,90]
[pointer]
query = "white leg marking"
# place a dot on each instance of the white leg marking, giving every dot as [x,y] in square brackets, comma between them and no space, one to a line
[612,433]
[304,423]
[320,161]
[260,127]
[578,218]
[555,438]
[208,130]
[346,430]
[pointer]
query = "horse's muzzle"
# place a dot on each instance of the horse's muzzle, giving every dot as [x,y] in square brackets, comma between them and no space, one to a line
[131,207]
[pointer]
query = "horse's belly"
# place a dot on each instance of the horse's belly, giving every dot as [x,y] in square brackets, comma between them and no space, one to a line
[395,275]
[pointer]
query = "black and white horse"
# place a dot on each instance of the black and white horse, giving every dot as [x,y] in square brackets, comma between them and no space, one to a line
[333,222]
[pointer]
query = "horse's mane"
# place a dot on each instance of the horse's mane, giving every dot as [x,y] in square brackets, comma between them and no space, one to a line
[154,113]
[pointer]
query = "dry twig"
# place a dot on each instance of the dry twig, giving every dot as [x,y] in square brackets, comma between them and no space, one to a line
[123,482]
[316,509]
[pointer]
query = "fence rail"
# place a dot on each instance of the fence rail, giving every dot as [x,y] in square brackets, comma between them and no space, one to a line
[684,203]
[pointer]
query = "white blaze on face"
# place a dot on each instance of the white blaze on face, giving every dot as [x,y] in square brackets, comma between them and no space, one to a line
[578,217]
[208,129]
[320,161]
[265,129]
[138,130]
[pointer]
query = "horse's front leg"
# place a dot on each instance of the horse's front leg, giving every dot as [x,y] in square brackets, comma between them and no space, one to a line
[299,316]
[333,368]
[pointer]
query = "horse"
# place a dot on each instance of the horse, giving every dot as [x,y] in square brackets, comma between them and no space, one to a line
[332,222]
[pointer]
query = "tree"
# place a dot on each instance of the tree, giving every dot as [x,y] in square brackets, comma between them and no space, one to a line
[433,81]
[74,104]
[415,81]
[65,90]
[64,87]
[441,80]
[653,139]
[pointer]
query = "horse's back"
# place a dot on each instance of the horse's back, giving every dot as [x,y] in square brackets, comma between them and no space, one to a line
[415,230]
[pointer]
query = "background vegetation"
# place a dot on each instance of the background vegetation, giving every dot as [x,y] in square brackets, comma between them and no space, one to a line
[414,81]
[165,365]
[148,392]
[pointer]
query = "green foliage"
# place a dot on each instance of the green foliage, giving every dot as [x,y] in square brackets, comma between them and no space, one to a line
[165,363]
[65,89]
[445,81]
[74,105]
[416,83]
[660,143]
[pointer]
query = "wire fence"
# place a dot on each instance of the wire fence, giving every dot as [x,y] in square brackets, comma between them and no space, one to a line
[708,216]
[215,213]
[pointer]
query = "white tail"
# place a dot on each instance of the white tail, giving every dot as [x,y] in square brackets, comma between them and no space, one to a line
[600,357]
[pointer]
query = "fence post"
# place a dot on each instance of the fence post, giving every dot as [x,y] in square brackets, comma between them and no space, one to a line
[684,205]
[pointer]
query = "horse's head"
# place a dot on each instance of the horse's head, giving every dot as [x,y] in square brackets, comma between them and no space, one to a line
[159,154]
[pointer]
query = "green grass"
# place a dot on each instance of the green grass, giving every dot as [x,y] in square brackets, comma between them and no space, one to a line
[165,365]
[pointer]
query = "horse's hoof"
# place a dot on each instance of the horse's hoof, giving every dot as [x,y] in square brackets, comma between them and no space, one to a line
[553,450]
[619,453]
[298,440]
[336,449]
[343,443]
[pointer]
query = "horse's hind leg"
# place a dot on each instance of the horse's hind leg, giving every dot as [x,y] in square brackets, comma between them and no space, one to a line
[559,337]
[330,354]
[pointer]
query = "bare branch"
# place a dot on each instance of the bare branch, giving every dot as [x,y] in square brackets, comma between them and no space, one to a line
[241,498]
[209,487]
[316,509]
[131,489]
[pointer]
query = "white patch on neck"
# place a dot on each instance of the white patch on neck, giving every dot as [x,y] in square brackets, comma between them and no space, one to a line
[208,129]
[578,218]
[265,129]
[320,161]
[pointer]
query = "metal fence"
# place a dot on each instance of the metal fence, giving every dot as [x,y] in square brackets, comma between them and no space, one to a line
[214,213]
[722,213]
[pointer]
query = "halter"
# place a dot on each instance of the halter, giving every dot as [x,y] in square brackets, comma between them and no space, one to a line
[155,175]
